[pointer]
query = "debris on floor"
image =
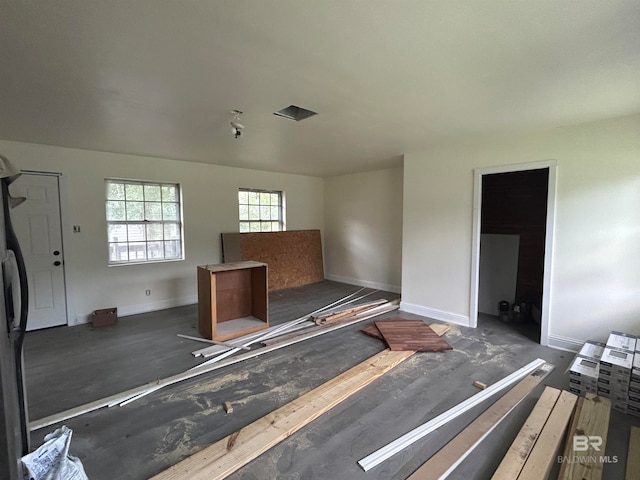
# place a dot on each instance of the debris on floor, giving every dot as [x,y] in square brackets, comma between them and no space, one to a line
[52,461]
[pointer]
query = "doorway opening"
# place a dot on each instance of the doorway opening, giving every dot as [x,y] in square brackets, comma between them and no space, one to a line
[513,232]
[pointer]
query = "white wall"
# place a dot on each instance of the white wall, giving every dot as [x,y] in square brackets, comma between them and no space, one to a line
[595,279]
[363,228]
[209,208]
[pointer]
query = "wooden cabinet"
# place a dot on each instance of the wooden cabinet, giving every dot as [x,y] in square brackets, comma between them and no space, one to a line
[232,299]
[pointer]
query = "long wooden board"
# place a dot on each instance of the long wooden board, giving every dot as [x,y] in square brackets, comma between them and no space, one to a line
[454,452]
[633,455]
[521,447]
[414,335]
[545,451]
[591,421]
[229,454]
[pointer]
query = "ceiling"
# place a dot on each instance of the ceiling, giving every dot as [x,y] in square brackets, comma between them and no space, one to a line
[159,77]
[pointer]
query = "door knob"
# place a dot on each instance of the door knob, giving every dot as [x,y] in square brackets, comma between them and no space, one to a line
[56,252]
[57,263]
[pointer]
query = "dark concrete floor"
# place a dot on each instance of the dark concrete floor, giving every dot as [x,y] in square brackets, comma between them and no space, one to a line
[67,367]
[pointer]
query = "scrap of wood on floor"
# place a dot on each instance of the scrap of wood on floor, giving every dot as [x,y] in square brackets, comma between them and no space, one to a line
[224,457]
[372,330]
[402,334]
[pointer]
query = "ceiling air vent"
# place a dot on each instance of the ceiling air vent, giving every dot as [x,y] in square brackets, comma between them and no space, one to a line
[293,112]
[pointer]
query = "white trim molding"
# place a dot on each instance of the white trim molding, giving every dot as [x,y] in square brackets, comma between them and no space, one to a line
[364,283]
[565,343]
[434,314]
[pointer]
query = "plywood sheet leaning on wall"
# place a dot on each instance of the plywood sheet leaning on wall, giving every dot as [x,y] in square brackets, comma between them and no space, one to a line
[294,257]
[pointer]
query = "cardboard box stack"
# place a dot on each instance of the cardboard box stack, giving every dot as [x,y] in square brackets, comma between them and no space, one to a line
[610,370]
[614,371]
[633,407]
[583,373]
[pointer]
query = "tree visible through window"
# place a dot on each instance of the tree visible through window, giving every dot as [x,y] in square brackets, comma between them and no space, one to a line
[260,211]
[143,221]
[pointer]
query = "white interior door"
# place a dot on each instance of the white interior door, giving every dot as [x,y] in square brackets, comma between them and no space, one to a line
[38,228]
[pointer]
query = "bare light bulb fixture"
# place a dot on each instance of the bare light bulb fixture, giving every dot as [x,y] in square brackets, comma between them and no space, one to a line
[236,126]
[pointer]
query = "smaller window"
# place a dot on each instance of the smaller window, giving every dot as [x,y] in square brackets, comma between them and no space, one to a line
[144,221]
[260,211]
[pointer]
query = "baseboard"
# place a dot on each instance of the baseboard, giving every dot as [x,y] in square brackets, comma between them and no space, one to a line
[365,283]
[565,343]
[145,308]
[435,313]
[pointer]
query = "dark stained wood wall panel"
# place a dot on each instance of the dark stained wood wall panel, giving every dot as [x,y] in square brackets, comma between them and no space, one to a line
[294,257]
[515,203]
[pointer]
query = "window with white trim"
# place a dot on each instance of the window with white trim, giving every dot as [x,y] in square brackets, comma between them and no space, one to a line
[260,210]
[144,221]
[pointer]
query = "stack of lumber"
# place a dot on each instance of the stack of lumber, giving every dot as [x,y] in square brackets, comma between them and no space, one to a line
[538,448]
[414,335]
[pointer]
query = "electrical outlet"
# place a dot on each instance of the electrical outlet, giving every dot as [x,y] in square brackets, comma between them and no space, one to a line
[76,229]
[147,292]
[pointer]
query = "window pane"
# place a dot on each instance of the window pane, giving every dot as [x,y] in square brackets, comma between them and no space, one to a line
[254,213]
[275,199]
[154,231]
[265,226]
[254,226]
[115,191]
[244,212]
[136,232]
[172,249]
[243,197]
[170,211]
[135,211]
[155,250]
[115,210]
[254,198]
[275,213]
[244,227]
[265,213]
[117,233]
[275,226]
[264,198]
[152,193]
[152,211]
[118,252]
[134,192]
[137,251]
[171,231]
[169,193]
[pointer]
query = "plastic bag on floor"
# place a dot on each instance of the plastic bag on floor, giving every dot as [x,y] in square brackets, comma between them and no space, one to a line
[51,461]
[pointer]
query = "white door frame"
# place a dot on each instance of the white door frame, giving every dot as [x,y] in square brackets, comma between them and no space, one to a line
[552,165]
[65,226]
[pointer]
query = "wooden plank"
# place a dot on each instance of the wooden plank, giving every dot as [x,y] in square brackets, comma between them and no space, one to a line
[545,452]
[592,421]
[633,455]
[521,447]
[372,330]
[453,453]
[411,335]
[229,454]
